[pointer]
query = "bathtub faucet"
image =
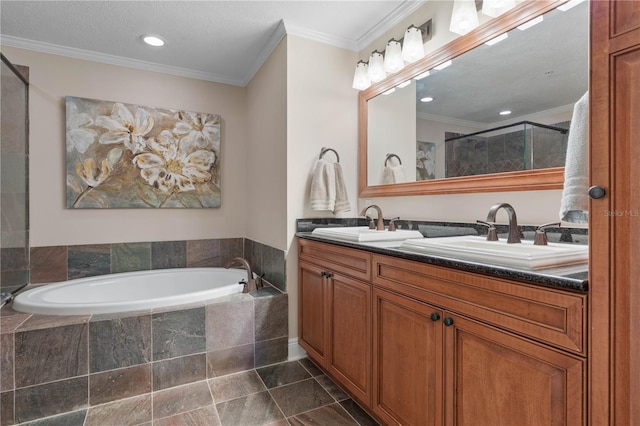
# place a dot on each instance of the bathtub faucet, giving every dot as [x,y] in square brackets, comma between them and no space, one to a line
[250,285]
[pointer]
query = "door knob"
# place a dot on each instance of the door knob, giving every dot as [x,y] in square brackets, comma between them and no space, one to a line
[597,192]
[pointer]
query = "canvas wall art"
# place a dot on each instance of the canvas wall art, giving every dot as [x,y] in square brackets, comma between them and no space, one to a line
[425,160]
[129,156]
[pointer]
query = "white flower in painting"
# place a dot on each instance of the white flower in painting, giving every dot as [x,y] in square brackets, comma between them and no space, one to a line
[126,129]
[78,136]
[170,167]
[198,131]
[88,171]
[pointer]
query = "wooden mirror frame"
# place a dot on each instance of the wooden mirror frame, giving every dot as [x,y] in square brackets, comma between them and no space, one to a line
[524,180]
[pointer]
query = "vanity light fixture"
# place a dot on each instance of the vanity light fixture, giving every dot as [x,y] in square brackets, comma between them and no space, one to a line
[531,23]
[495,8]
[464,17]
[393,57]
[443,65]
[403,84]
[569,5]
[376,67]
[421,76]
[390,91]
[152,40]
[413,47]
[427,99]
[505,112]
[361,79]
[497,39]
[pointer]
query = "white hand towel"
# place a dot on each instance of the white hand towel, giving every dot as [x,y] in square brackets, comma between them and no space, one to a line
[342,199]
[393,174]
[575,201]
[323,186]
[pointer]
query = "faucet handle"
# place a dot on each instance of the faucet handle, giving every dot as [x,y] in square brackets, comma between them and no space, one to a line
[392,224]
[372,224]
[491,232]
[540,238]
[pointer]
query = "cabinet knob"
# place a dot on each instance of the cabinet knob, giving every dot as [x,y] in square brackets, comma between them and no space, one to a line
[435,316]
[597,192]
[328,274]
[448,321]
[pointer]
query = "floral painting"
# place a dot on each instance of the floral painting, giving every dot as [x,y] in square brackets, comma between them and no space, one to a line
[425,160]
[128,156]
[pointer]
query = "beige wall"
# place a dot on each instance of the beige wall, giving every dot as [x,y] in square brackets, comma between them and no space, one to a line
[321,111]
[266,158]
[52,78]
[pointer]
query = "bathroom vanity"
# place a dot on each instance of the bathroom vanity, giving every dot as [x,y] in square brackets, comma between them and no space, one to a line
[418,341]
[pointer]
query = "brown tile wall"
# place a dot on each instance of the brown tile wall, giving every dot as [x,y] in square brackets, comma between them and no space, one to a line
[104,369]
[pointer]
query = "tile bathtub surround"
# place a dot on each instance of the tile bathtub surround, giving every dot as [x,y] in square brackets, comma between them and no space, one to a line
[135,368]
[59,263]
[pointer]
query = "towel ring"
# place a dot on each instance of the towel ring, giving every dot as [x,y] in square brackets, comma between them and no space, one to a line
[392,155]
[324,151]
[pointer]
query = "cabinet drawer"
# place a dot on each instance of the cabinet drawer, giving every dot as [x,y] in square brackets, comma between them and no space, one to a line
[548,315]
[347,261]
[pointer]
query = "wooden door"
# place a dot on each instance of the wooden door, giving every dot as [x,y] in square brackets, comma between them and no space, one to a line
[407,359]
[313,318]
[614,220]
[350,360]
[494,378]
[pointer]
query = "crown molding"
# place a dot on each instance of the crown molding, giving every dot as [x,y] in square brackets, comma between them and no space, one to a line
[87,55]
[449,120]
[276,37]
[336,41]
[390,21]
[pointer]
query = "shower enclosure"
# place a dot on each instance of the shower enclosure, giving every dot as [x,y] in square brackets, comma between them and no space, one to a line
[14,182]
[519,146]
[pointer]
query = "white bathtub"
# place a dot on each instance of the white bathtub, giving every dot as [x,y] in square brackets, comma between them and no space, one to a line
[131,291]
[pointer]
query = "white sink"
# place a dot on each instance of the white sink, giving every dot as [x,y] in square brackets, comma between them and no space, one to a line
[524,255]
[360,234]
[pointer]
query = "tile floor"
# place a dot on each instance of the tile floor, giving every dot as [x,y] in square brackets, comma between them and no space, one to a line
[292,393]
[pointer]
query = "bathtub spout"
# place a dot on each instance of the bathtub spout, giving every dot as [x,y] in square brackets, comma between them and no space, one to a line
[250,285]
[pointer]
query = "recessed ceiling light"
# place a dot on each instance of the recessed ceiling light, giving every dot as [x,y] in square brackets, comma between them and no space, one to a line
[531,23]
[505,112]
[427,99]
[152,40]
[442,66]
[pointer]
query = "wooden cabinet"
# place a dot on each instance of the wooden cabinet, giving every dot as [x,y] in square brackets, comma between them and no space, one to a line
[423,345]
[407,359]
[614,220]
[493,377]
[335,314]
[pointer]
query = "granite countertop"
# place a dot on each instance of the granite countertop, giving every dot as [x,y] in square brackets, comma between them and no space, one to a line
[574,278]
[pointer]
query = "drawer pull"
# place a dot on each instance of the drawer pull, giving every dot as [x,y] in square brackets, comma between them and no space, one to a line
[448,321]
[435,316]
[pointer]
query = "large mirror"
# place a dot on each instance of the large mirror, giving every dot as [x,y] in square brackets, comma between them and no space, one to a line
[443,132]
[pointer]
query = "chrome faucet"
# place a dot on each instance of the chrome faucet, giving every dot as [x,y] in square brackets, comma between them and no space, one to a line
[250,285]
[380,222]
[514,231]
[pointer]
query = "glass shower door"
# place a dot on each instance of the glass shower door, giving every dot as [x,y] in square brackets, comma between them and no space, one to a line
[14,182]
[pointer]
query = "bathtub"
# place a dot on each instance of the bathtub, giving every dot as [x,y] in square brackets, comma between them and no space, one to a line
[131,291]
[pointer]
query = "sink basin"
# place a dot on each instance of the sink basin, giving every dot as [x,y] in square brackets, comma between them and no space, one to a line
[361,234]
[477,249]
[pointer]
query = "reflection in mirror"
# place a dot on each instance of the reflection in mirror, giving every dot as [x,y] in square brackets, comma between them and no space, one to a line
[460,120]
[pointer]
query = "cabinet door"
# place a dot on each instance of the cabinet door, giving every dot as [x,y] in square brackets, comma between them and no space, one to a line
[407,359]
[350,360]
[495,378]
[313,318]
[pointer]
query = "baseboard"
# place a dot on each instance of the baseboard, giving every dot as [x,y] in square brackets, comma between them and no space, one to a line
[295,350]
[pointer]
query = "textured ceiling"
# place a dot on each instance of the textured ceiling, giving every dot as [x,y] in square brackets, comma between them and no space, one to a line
[224,41]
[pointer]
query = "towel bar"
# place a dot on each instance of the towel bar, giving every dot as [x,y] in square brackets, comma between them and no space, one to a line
[324,150]
[392,155]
